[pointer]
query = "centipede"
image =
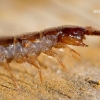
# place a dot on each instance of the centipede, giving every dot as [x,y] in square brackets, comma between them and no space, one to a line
[27,47]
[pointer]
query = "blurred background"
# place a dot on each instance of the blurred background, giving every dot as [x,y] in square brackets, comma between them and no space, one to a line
[19,16]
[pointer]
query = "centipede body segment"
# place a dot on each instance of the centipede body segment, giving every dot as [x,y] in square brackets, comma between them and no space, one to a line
[27,47]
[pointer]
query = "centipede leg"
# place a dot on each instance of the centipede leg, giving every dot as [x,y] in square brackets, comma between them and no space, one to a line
[34,61]
[61,45]
[53,54]
[6,65]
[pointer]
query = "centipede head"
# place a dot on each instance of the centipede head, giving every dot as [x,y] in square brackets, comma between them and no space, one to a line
[73,35]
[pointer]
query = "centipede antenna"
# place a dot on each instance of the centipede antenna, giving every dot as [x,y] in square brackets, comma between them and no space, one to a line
[6,65]
[91,31]
[34,61]
[53,54]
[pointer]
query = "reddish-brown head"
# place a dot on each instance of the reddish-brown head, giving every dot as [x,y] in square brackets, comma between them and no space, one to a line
[72,35]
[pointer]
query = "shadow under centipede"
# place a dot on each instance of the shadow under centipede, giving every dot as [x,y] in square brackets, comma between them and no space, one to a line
[10,78]
[8,87]
[5,75]
[60,93]
[91,82]
[19,71]
[4,79]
